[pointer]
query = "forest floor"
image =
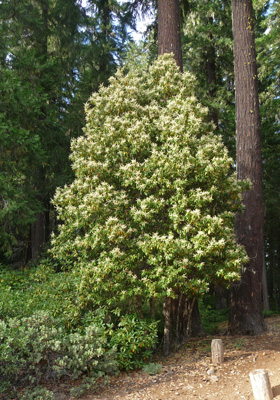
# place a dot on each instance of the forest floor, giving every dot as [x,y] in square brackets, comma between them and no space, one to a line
[188,373]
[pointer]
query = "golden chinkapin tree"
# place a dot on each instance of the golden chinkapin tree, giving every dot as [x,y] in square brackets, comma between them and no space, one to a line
[150,213]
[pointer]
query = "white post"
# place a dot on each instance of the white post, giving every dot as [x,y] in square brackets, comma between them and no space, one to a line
[261,385]
[217,350]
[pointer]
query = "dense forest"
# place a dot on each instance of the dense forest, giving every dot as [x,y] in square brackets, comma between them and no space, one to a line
[139,181]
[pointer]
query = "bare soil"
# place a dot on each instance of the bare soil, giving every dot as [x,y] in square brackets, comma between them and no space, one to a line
[188,374]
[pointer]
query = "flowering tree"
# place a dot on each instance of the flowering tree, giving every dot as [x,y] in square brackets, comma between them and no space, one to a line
[151,211]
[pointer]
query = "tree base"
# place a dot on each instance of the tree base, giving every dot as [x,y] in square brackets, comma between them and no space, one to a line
[246,324]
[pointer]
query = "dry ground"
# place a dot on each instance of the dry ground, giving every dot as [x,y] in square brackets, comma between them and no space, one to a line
[185,374]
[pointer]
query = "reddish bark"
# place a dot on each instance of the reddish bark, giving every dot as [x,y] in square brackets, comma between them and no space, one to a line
[169,30]
[246,298]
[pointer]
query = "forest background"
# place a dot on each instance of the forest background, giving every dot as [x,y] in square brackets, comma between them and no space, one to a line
[53,56]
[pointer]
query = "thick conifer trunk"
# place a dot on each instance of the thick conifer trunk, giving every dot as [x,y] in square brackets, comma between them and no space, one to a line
[246,295]
[169,31]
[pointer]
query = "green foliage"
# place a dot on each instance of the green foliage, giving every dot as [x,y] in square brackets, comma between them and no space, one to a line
[37,348]
[25,291]
[38,393]
[269,66]
[207,45]
[20,152]
[211,317]
[34,85]
[135,340]
[152,368]
[88,384]
[53,55]
[268,314]
[151,210]
[14,293]
[239,343]
[39,288]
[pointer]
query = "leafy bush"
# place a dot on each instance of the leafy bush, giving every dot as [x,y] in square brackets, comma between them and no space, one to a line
[36,348]
[38,393]
[14,290]
[38,288]
[135,340]
[152,368]
[88,384]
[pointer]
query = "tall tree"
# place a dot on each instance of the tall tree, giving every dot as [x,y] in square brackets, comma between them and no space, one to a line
[246,298]
[169,29]
[104,39]
[150,214]
[40,42]
[54,54]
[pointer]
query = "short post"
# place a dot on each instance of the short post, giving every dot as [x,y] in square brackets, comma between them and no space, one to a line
[217,350]
[261,385]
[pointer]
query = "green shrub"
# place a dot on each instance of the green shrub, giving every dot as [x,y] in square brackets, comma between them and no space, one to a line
[134,340]
[38,393]
[88,384]
[152,368]
[38,288]
[150,213]
[36,348]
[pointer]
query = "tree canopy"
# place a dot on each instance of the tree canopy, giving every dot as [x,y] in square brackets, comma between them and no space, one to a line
[152,205]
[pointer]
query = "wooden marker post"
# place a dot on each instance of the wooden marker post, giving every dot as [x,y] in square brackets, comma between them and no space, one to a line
[261,385]
[217,350]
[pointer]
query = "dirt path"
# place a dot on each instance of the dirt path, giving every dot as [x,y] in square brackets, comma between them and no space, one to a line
[188,375]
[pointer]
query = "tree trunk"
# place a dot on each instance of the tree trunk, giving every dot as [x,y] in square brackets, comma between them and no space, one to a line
[37,235]
[185,318]
[169,30]
[181,320]
[167,313]
[246,296]
[195,328]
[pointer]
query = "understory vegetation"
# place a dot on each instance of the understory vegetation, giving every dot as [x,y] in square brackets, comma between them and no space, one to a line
[44,340]
[42,337]
[148,217]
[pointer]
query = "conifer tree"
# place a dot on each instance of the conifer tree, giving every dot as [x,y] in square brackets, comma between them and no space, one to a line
[246,298]
[51,61]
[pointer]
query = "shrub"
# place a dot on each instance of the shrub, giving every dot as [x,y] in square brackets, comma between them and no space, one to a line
[37,393]
[152,368]
[135,339]
[150,213]
[36,348]
[151,210]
